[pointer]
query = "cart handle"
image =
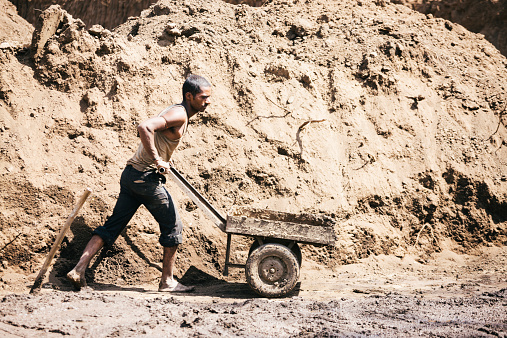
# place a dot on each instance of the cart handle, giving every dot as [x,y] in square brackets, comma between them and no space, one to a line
[196,197]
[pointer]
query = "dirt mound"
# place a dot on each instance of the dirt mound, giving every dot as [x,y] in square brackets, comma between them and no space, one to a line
[382,118]
[488,17]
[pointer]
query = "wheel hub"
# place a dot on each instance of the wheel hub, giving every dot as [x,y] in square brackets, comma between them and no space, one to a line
[271,269]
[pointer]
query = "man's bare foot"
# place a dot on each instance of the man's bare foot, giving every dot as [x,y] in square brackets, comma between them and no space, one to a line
[174,286]
[76,279]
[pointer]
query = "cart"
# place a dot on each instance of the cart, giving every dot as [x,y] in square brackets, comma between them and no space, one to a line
[274,259]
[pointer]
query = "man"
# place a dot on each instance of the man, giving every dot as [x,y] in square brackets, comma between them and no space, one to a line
[142,184]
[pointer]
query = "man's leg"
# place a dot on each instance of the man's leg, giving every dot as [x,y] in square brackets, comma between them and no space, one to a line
[77,275]
[125,208]
[168,283]
[161,206]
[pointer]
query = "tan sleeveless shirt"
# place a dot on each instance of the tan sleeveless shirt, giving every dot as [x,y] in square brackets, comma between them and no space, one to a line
[141,161]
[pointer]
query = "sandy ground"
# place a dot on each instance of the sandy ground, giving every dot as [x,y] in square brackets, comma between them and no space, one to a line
[449,295]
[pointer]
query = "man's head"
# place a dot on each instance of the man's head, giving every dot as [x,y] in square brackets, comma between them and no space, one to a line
[196,92]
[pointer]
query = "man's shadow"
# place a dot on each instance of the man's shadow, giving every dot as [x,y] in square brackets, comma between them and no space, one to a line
[71,251]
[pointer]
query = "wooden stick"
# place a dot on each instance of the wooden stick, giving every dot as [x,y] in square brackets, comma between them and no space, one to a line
[38,281]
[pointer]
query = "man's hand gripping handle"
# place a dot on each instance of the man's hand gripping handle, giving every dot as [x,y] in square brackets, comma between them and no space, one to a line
[163,166]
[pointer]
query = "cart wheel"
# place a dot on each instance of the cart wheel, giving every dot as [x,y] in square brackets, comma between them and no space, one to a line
[272,270]
[295,247]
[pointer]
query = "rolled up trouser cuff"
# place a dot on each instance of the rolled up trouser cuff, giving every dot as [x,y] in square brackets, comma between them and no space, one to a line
[169,241]
[104,234]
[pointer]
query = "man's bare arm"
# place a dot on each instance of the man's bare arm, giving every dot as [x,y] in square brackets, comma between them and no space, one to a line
[147,129]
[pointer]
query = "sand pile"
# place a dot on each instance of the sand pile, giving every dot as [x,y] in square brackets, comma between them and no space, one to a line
[387,120]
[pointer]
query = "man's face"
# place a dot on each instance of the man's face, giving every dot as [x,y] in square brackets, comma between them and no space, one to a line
[200,101]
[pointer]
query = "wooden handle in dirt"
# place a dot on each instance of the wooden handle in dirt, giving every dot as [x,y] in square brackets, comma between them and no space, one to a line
[38,281]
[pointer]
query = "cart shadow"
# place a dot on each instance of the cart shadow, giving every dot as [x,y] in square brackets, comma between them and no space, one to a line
[207,285]
[211,286]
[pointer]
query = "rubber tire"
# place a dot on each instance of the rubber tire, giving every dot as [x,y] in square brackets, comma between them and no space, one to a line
[283,273]
[295,247]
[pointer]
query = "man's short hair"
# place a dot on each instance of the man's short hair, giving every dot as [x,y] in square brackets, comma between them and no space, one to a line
[194,84]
